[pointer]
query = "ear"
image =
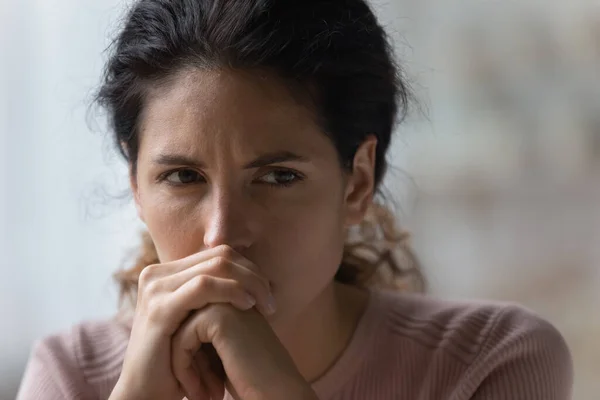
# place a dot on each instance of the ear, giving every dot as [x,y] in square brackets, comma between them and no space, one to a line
[361,182]
[133,184]
[136,193]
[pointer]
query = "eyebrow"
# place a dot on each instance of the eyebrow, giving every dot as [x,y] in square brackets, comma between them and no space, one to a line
[263,160]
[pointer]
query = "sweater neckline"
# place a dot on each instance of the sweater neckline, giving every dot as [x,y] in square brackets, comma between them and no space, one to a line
[354,355]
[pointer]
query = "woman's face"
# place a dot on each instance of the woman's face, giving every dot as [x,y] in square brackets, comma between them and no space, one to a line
[232,158]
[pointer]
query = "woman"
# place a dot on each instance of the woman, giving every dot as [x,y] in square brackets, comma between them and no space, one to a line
[256,133]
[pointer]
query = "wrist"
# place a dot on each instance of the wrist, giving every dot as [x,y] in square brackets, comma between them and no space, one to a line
[118,392]
[125,391]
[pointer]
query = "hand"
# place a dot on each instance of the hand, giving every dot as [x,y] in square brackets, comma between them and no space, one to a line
[254,362]
[174,294]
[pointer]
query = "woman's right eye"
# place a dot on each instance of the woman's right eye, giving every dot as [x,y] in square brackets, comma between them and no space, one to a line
[182,177]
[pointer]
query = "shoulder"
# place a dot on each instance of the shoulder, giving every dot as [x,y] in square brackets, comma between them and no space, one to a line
[464,328]
[90,346]
[80,362]
[99,344]
[495,345]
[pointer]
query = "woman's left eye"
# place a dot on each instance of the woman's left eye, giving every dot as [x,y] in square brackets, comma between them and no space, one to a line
[280,178]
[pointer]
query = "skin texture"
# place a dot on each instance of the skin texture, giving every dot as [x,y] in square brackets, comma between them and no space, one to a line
[242,194]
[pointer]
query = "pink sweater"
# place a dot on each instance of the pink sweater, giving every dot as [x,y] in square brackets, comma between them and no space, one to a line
[407,347]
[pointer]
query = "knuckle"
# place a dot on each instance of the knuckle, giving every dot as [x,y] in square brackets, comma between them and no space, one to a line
[147,274]
[201,283]
[226,251]
[151,288]
[221,264]
[156,310]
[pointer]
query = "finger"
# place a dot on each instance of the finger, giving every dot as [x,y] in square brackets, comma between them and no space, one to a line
[154,272]
[222,267]
[192,383]
[225,263]
[196,294]
[249,281]
[185,345]
[225,251]
[204,289]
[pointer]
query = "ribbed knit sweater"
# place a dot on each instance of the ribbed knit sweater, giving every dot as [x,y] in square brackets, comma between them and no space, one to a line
[405,347]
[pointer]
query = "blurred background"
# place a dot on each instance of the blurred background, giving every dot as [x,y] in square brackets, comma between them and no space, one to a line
[497,171]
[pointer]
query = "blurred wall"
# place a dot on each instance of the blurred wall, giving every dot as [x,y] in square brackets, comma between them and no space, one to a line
[63,232]
[497,180]
[505,202]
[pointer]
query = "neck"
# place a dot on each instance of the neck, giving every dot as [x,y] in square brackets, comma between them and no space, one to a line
[322,332]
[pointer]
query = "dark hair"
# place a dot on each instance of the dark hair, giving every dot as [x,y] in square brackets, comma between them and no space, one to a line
[334,50]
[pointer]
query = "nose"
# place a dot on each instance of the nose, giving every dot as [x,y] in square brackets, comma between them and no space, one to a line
[228,221]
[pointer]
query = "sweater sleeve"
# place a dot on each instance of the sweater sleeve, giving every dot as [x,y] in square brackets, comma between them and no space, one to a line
[52,372]
[523,358]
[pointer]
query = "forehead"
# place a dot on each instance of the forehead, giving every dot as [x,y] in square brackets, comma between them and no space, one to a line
[243,111]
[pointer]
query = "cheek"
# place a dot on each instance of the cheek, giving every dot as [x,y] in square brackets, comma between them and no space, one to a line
[305,260]
[309,246]
[173,226]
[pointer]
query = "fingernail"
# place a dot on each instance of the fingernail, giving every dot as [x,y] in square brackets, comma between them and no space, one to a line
[271,304]
[250,301]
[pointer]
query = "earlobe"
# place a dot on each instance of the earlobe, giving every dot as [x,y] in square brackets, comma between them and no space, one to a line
[361,182]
